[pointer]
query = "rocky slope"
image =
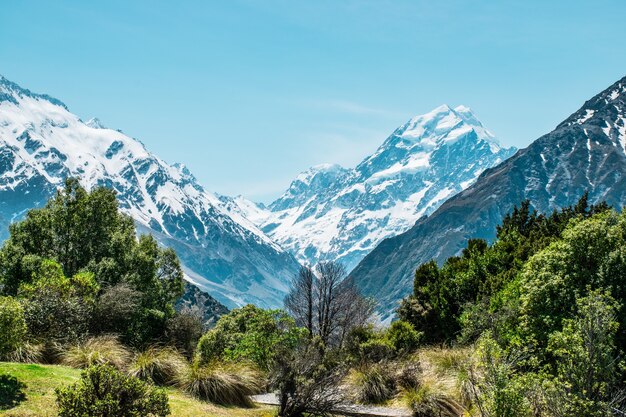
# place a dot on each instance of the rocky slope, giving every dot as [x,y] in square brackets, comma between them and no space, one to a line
[42,143]
[334,213]
[587,152]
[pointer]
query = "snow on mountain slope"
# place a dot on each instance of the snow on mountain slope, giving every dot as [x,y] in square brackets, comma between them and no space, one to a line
[586,152]
[42,143]
[334,213]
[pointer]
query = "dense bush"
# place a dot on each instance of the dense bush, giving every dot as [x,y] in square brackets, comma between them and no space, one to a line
[105,392]
[184,330]
[403,337]
[365,344]
[587,360]
[12,325]
[57,308]
[495,385]
[221,383]
[250,334]
[116,309]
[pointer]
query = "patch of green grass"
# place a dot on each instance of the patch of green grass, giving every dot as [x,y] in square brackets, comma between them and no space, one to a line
[41,380]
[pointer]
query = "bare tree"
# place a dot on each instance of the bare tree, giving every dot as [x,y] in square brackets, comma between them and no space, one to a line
[327,304]
[300,302]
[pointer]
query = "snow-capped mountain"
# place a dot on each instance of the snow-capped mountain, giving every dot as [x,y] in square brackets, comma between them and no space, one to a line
[42,143]
[334,213]
[587,152]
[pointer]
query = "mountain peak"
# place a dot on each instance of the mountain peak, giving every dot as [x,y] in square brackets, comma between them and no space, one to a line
[95,123]
[609,103]
[333,213]
[441,126]
[13,92]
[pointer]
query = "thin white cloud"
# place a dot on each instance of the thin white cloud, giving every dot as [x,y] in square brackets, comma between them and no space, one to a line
[350,107]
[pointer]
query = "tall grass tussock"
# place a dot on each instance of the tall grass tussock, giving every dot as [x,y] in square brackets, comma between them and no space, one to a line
[373,384]
[159,365]
[222,383]
[97,351]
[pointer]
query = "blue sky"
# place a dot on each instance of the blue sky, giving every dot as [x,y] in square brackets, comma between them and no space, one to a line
[249,93]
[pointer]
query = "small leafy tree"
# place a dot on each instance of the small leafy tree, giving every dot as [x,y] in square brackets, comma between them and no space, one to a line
[12,325]
[103,391]
[249,333]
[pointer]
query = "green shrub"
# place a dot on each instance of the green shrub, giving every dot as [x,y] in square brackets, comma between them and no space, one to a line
[221,382]
[97,351]
[78,242]
[158,365]
[587,362]
[495,385]
[376,350]
[103,391]
[249,334]
[12,325]
[403,337]
[51,318]
[373,384]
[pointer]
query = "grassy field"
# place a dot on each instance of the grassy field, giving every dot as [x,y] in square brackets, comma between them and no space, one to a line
[41,380]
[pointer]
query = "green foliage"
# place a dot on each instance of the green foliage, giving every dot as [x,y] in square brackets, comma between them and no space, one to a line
[223,383]
[591,255]
[403,337]
[365,344]
[105,392]
[12,325]
[587,360]
[476,291]
[496,387]
[57,308]
[78,244]
[541,300]
[250,334]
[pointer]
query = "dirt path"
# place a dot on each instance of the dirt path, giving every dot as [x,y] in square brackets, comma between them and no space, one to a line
[350,410]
